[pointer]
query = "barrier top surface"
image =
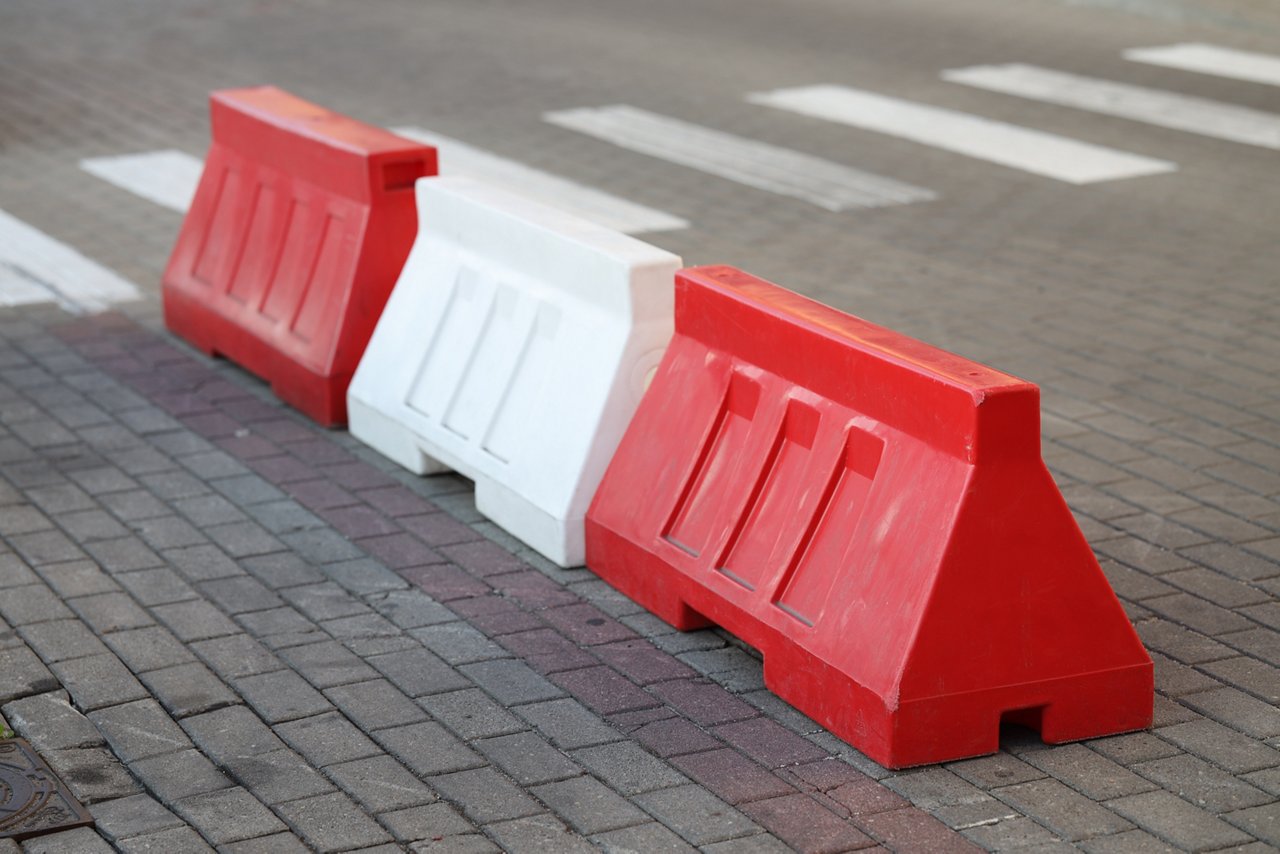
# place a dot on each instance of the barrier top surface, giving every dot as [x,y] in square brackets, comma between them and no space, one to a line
[532,243]
[949,401]
[279,130]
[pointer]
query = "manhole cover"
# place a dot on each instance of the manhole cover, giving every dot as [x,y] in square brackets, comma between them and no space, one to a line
[32,798]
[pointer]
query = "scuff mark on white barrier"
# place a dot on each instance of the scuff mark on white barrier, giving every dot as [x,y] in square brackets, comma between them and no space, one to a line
[35,268]
[514,349]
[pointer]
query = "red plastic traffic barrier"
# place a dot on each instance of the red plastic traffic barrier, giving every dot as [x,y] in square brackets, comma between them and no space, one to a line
[874,516]
[299,228]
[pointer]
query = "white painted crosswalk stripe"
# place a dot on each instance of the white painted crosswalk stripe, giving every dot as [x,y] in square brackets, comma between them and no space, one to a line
[1152,106]
[168,178]
[610,211]
[1211,59]
[1022,148]
[35,267]
[828,185]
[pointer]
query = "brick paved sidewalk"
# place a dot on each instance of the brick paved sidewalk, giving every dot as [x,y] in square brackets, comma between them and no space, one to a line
[229,629]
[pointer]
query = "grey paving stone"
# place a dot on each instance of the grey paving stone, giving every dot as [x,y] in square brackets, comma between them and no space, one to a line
[281,696]
[511,682]
[411,609]
[333,823]
[110,612]
[696,815]
[1224,747]
[568,723]
[364,576]
[148,648]
[126,554]
[194,620]
[138,730]
[419,672]
[327,664]
[237,655]
[277,621]
[1065,812]
[540,834]
[485,795]
[42,547]
[156,586]
[651,837]
[233,731]
[468,843]
[172,776]
[228,815]
[1133,748]
[167,532]
[58,640]
[471,714]
[34,603]
[14,572]
[1178,822]
[321,546]
[1237,710]
[759,844]
[98,681]
[282,569]
[382,784]
[1000,769]
[427,748]
[25,674]
[285,517]
[49,722]
[458,643]
[92,774]
[588,805]
[1203,784]
[1093,775]
[202,562]
[278,776]
[527,758]
[276,843]
[135,815]
[628,769]
[325,601]
[327,739]
[1261,821]
[77,578]
[178,840]
[246,490]
[430,822]
[81,840]
[188,689]
[243,539]
[23,519]
[133,505]
[206,510]
[89,525]
[376,704]
[368,626]
[238,594]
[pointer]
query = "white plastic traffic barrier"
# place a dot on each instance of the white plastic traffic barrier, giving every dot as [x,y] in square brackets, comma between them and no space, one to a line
[514,349]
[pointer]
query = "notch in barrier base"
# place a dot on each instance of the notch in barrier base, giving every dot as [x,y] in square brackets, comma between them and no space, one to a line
[873,515]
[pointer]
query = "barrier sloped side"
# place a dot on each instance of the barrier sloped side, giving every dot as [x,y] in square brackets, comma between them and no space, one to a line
[298,229]
[514,349]
[873,515]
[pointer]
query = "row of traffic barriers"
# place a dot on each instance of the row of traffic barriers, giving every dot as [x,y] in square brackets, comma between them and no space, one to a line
[873,514]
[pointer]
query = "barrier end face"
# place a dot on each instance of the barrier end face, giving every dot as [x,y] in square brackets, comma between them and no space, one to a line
[724,282]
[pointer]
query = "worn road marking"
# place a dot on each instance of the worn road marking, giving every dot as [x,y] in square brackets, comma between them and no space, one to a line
[36,268]
[1022,148]
[459,158]
[168,178]
[1211,59]
[1152,106]
[756,164]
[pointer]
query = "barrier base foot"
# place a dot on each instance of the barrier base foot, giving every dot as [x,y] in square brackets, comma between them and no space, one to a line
[389,438]
[558,540]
